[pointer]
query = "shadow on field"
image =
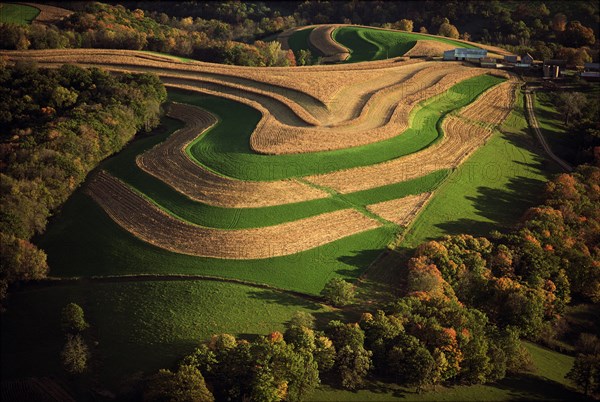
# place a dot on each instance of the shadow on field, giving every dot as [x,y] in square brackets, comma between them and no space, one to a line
[285,299]
[360,260]
[504,206]
[527,387]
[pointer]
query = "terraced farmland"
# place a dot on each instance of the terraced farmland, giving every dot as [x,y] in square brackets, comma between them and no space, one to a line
[266,166]
[271,177]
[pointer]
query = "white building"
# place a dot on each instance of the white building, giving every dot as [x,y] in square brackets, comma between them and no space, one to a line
[465,54]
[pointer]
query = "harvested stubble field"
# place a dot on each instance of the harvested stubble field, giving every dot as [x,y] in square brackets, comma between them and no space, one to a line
[169,162]
[429,48]
[321,38]
[49,14]
[380,127]
[152,225]
[402,210]
[462,138]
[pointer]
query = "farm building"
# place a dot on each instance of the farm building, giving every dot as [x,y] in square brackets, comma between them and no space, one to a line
[465,54]
[527,59]
[552,68]
[591,71]
[488,62]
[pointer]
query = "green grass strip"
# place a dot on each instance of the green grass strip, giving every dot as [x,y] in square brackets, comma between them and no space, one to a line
[225,148]
[17,14]
[299,40]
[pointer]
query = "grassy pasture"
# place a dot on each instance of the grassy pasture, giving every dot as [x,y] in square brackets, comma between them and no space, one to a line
[546,382]
[84,241]
[367,44]
[139,326]
[553,128]
[491,189]
[226,147]
[17,14]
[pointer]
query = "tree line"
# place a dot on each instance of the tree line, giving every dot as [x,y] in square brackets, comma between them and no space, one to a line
[57,125]
[233,32]
[100,25]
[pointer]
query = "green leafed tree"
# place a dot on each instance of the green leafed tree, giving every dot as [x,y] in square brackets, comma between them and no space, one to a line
[585,373]
[353,366]
[338,292]
[72,318]
[405,25]
[75,355]
[185,385]
[304,57]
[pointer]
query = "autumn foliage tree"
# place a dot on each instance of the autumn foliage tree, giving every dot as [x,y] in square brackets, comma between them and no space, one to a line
[405,25]
[448,30]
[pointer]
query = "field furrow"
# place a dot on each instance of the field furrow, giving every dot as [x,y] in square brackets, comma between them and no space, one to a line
[385,115]
[321,82]
[149,223]
[428,48]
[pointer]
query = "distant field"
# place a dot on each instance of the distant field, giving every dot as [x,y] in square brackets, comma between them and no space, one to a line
[17,13]
[374,44]
[139,326]
[491,189]
[368,44]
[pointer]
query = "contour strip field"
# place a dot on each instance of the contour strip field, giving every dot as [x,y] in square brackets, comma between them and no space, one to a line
[169,162]
[146,221]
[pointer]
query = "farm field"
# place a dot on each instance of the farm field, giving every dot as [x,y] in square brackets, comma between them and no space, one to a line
[17,13]
[354,43]
[262,184]
[225,148]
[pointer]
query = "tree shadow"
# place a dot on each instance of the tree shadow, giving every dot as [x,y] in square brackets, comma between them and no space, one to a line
[503,207]
[359,260]
[300,300]
[527,387]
